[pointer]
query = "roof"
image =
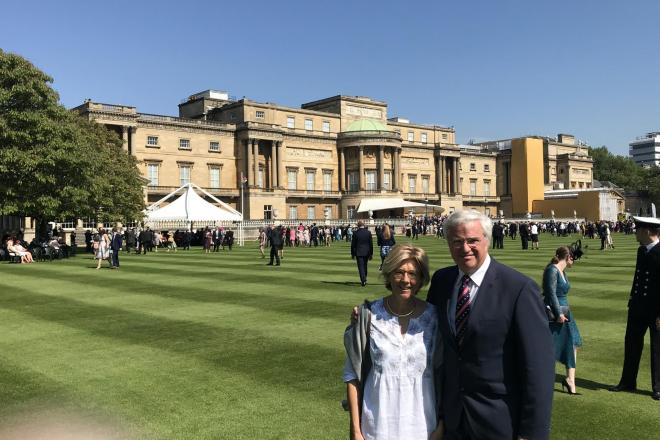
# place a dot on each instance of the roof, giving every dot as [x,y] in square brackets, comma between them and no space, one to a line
[379,203]
[367,125]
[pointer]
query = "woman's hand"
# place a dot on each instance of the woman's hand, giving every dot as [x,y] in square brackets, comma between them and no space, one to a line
[562,319]
[357,436]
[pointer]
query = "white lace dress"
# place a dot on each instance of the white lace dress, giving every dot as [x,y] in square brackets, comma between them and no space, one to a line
[399,395]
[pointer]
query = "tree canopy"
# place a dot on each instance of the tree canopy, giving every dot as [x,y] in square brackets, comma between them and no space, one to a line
[624,172]
[53,163]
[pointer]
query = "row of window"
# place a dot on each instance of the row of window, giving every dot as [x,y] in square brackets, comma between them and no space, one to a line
[184,144]
[310,179]
[423,137]
[473,167]
[473,187]
[309,124]
[184,175]
[311,212]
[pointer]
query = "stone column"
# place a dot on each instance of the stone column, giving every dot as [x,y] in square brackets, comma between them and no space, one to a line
[438,176]
[124,138]
[361,168]
[280,164]
[396,159]
[457,189]
[255,161]
[381,168]
[443,176]
[249,158]
[342,170]
[273,165]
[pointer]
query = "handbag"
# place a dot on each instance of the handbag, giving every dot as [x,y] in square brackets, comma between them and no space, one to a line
[563,310]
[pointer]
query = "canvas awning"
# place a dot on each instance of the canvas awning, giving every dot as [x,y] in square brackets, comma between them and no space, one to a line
[378,204]
[190,207]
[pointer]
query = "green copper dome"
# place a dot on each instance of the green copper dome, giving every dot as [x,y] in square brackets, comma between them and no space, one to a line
[366,125]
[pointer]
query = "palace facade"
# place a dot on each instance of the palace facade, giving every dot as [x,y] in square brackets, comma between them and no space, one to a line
[318,161]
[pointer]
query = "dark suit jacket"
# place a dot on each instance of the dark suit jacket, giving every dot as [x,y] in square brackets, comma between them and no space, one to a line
[361,244]
[503,375]
[645,292]
[116,242]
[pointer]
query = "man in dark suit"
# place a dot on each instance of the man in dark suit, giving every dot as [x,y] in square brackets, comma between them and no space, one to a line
[362,250]
[115,245]
[498,365]
[524,235]
[275,238]
[643,308]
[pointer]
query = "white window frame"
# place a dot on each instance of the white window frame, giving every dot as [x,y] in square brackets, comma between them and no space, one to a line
[411,136]
[309,124]
[487,188]
[326,126]
[486,168]
[353,181]
[310,180]
[290,122]
[412,183]
[370,180]
[153,180]
[292,183]
[473,187]
[293,212]
[185,173]
[327,181]
[473,166]
[425,184]
[260,177]
[152,141]
[387,180]
[260,114]
[213,170]
[311,209]
[424,138]
[185,144]
[214,146]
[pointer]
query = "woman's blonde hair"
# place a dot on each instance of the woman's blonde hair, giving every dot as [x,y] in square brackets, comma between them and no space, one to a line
[399,255]
[387,234]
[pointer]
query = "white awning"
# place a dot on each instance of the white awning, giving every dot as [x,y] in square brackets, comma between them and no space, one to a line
[380,203]
[190,207]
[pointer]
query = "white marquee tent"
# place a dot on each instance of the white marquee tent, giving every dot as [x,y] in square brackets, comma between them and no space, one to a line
[189,210]
[377,204]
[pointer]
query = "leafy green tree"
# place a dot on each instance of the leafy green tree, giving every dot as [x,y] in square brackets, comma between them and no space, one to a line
[619,170]
[53,163]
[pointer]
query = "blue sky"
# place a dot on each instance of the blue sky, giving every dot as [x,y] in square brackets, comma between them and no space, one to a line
[492,69]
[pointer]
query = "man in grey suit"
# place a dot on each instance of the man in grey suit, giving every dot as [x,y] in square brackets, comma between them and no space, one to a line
[497,376]
[362,250]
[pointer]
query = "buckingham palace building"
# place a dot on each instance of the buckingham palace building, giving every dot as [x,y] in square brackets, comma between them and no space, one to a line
[320,160]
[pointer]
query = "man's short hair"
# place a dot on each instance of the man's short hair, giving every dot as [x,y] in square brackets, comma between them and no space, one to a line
[468,216]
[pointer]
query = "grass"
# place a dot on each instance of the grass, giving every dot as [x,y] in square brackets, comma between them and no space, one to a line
[192,346]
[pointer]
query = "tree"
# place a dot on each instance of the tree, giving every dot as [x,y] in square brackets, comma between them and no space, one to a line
[620,170]
[53,163]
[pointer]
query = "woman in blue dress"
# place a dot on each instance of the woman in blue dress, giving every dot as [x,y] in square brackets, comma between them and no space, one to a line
[565,332]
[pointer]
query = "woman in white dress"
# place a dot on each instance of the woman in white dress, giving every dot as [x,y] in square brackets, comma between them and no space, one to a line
[103,250]
[389,364]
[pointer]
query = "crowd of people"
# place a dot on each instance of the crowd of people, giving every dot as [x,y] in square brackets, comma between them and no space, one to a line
[52,246]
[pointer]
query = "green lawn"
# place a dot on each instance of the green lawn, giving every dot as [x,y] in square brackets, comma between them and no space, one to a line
[192,346]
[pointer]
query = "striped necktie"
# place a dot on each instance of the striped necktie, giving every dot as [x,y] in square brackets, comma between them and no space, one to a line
[463,306]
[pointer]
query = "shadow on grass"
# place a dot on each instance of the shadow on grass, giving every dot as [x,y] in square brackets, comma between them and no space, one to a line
[343,283]
[266,359]
[141,285]
[596,386]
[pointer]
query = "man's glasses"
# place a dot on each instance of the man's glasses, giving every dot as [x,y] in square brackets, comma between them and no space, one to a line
[471,242]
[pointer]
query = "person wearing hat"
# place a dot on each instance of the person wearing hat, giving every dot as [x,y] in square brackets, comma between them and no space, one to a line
[643,308]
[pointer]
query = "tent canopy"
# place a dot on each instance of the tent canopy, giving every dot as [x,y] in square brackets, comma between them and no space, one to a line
[377,204]
[190,207]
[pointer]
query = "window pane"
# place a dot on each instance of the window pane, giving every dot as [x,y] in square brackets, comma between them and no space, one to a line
[260,178]
[310,180]
[308,124]
[412,183]
[327,182]
[214,177]
[214,146]
[371,181]
[291,122]
[292,177]
[326,126]
[311,212]
[387,178]
[353,181]
[293,212]
[425,185]
[152,174]
[184,175]
[152,141]
[184,144]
